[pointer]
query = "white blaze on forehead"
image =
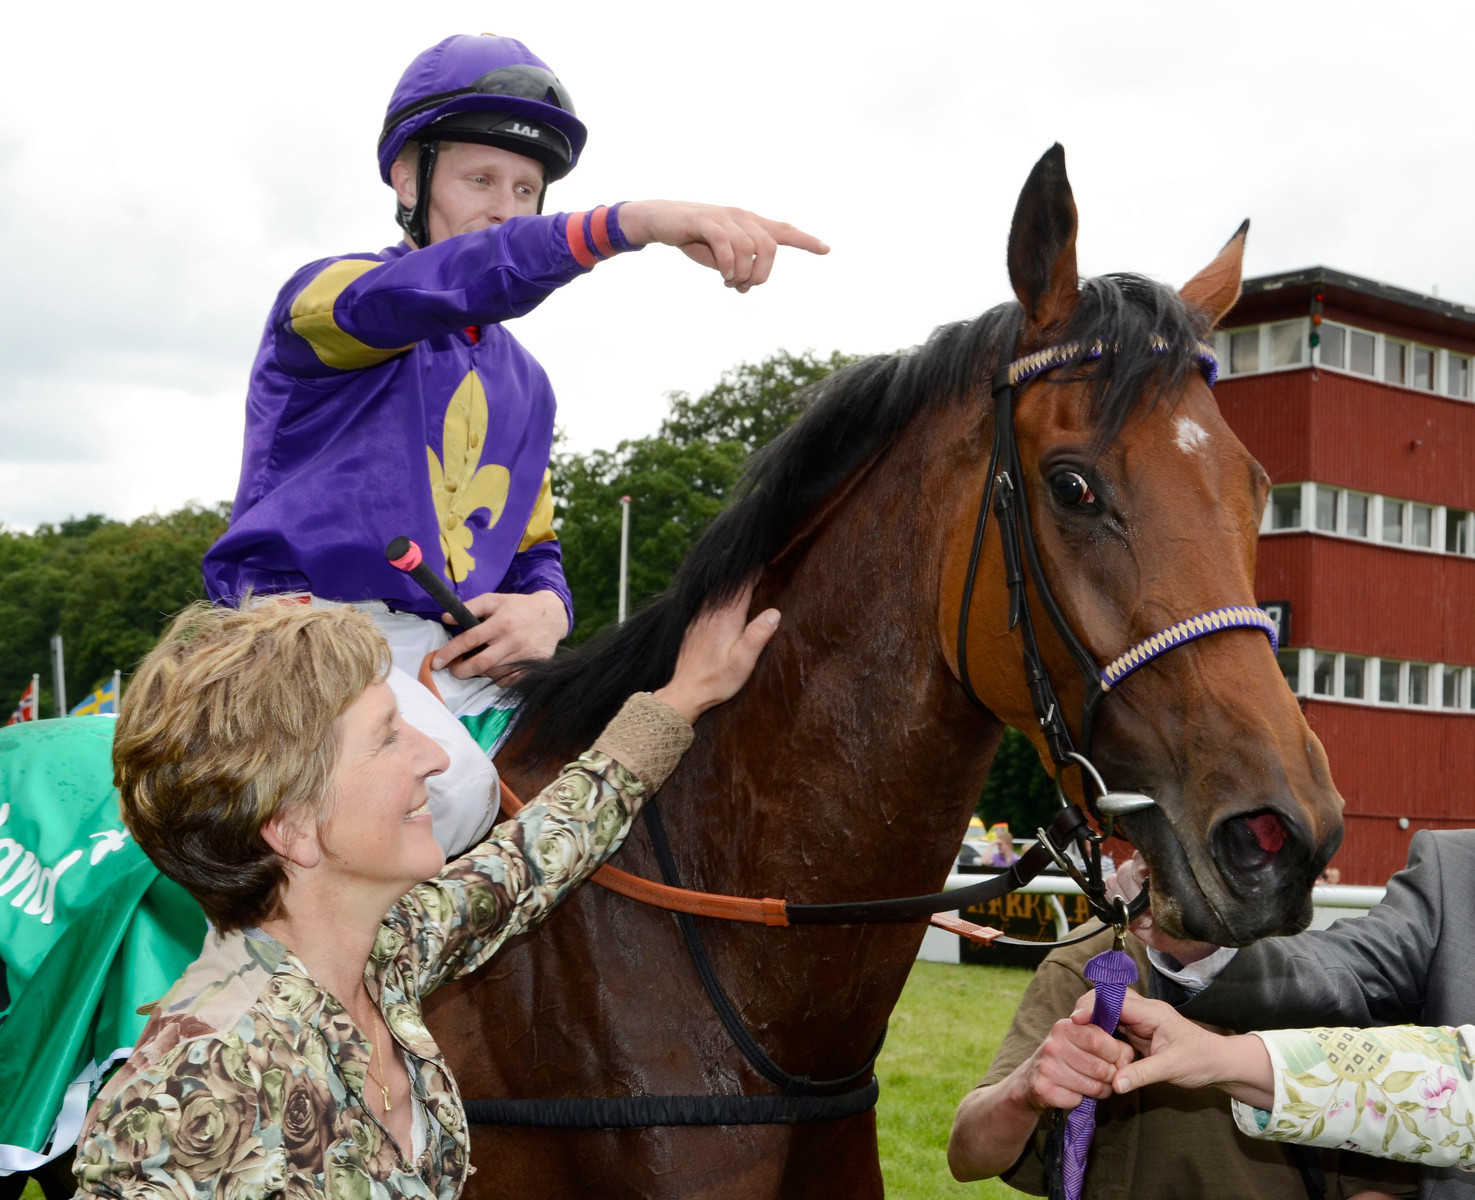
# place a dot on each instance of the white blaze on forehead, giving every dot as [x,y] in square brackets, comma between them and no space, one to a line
[1190,435]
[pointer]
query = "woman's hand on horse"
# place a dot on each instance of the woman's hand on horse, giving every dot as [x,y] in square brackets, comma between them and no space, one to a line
[739,244]
[718,654]
[513,628]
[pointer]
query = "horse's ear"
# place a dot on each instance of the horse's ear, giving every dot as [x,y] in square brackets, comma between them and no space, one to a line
[1042,248]
[1214,290]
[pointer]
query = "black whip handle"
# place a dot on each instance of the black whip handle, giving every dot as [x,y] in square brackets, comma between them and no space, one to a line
[405,554]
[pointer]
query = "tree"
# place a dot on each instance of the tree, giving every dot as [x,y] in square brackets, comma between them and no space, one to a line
[678,481]
[108,587]
[1017,790]
[752,404]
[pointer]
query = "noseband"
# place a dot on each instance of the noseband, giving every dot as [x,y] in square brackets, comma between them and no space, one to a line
[1021,554]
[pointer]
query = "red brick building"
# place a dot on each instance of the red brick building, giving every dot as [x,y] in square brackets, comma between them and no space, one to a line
[1369,538]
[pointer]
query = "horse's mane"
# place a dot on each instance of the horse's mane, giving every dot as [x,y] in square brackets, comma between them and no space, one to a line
[565,701]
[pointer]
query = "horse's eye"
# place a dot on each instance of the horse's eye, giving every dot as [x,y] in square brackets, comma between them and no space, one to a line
[1071,490]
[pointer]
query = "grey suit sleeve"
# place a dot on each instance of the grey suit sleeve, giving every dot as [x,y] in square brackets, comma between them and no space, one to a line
[1371,970]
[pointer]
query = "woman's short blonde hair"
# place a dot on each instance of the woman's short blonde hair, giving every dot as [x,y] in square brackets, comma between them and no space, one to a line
[229,722]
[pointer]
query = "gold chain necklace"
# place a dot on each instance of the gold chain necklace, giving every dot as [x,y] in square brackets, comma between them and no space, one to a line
[373,1053]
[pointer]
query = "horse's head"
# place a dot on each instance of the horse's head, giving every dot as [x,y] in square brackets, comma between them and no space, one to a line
[1144,508]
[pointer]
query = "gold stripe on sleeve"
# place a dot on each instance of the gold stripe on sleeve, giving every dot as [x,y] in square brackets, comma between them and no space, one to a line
[540,524]
[312,318]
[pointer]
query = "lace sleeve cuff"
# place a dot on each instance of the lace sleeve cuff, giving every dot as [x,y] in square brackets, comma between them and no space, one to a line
[648,737]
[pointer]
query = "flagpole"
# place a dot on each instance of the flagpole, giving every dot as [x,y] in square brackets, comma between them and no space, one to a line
[36,696]
[117,690]
[58,675]
[624,556]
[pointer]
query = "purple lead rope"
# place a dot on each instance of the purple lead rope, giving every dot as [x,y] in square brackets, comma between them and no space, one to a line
[1112,971]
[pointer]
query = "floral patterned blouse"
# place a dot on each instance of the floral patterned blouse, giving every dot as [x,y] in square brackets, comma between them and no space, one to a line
[248,1080]
[1403,1092]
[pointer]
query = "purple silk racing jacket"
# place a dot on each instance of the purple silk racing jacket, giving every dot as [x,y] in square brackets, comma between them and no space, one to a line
[374,411]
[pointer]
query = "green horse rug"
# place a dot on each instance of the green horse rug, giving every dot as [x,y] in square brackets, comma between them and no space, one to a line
[89,933]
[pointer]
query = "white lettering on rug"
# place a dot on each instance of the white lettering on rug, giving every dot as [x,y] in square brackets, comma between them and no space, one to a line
[37,883]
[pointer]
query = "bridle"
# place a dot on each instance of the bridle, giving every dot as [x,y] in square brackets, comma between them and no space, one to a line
[801,1098]
[1021,554]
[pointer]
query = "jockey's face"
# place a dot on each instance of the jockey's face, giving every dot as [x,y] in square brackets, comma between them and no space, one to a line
[475,186]
[377,833]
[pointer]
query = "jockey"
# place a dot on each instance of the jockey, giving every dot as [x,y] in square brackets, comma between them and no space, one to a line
[388,397]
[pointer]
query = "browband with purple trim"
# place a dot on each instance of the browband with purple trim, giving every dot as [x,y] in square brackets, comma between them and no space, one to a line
[1237,616]
[1021,370]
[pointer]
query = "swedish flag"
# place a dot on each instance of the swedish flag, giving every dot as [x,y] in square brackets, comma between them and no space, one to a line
[102,701]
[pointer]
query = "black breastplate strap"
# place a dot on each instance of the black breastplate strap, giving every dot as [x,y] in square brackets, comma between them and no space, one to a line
[801,1099]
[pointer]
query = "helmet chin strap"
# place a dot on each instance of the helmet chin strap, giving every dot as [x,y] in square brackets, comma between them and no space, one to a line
[416,221]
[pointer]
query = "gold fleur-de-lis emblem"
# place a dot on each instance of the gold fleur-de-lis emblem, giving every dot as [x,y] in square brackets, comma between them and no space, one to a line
[458,484]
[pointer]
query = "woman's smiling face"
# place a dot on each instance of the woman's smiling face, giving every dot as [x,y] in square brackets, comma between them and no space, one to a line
[378,827]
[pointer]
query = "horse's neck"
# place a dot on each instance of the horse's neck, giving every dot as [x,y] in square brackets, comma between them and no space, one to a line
[848,766]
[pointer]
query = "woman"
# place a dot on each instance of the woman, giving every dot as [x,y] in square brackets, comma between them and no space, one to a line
[1403,1092]
[262,763]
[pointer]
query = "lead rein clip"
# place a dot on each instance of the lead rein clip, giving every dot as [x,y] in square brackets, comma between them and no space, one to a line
[1119,926]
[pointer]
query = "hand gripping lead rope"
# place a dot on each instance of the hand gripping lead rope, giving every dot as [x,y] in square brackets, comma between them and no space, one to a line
[1113,972]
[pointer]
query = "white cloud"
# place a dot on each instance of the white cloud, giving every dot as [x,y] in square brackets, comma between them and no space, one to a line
[166,166]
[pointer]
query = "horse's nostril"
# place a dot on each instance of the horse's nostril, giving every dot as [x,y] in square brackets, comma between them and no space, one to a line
[1251,842]
[1268,831]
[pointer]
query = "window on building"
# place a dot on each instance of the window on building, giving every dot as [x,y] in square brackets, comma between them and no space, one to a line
[1394,354]
[1450,687]
[1456,531]
[1457,376]
[1418,683]
[1333,346]
[1285,344]
[1290,667]
[1356,515]
[1244,351]
[1285,506]
[1423,368]
[1388,672]
[1392,520]
[1326,508]
[1354,670]
[1420,525]
[1323,673]
[1360,352]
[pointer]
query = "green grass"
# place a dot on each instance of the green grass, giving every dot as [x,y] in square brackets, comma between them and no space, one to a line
[32,1192]
[943,1035]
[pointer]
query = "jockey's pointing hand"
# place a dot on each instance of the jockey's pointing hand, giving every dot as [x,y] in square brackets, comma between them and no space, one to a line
[718,653]
[513,628]
[739,244]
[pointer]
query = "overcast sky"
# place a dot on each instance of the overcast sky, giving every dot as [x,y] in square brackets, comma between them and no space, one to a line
[165,168]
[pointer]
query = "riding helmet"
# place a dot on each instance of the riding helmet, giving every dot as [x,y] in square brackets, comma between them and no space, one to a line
[486,89]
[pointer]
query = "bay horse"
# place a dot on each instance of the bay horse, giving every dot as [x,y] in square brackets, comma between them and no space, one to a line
[848,767]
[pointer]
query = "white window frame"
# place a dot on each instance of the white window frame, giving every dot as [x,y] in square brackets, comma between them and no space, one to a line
[1408,524]
[1431,680]
[1439,379]
[1438,520]
[1434,353]
[1372,670]
[1444,357]
[1377,697]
